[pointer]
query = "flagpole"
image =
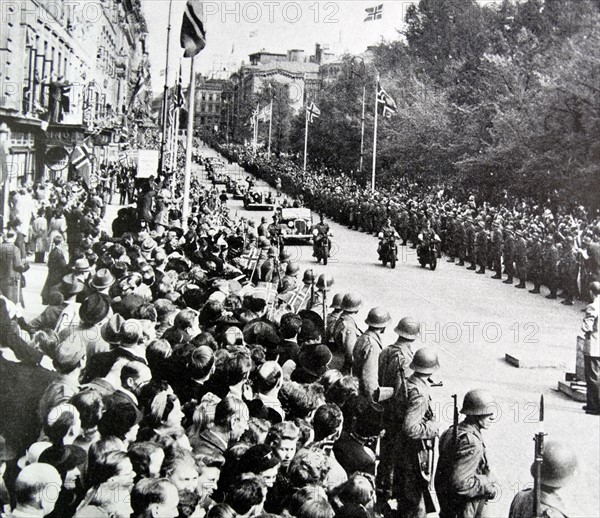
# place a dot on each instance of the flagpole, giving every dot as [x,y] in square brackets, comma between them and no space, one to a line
[375,137]
[188,149]
[305,138]
[175,139]
[362,131]
[165,95]
[270,127]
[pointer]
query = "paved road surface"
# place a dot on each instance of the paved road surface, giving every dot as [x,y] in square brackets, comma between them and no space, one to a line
[473,321]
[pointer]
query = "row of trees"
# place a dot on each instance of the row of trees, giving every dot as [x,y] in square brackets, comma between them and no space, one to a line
[490,98]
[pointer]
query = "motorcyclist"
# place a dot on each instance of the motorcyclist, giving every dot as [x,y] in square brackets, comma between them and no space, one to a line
[426,237]
[387,234]
[320,232]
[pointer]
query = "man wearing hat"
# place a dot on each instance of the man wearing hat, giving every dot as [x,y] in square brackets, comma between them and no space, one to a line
[11,268]
[71,287]
[102,281]
[463,480]
[57,267]
[521,259]
[414,453]
[508,253]
[365,357]
[345,331]
[313,362]
[559,466]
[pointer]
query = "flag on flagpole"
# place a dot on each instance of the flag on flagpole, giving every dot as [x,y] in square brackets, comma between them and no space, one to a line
[265,113]
[193,35]
[374,13]
[179,98]
[312,112]
[383,98]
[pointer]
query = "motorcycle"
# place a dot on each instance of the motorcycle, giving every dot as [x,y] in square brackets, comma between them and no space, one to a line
[321,249]
[428,256]
[389,252]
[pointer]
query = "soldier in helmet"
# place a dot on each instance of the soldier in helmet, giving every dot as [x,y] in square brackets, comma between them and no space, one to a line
[289,282]
[414,447]
[269,269]
[394,369]
[496,243]
[345,331]
[463,481]
[521,259]
[508,253]
[558,467]
[481,247]
[365,358]
[262,228]
[336,306]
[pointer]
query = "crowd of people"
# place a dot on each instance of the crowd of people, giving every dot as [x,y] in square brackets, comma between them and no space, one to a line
[186,368]
[546,244]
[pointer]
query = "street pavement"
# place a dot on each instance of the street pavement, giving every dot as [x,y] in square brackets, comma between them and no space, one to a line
[473,321]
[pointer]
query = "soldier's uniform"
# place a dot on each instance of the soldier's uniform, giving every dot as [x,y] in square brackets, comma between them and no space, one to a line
[419,428]
[459,238]
[550,266]
[534,260]
[481,249]
[521,260]
[496,241]
[403,226]
[462,481]
[365,362]
[569,269]
[551,505]
[470,233]
[508,256]
[345,335]
[332,319]
[450,244]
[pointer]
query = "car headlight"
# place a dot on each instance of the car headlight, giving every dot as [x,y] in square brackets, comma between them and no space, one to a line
[291,224]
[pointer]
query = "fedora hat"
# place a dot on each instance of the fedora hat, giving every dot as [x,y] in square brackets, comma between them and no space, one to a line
[315,359]
[103,279]
[81,265]
[70,285]
[94,309]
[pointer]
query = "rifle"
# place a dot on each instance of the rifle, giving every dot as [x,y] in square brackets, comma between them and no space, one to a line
[537,463]
[455,421]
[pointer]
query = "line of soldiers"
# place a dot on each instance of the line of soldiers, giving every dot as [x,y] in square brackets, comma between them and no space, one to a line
[530,243]
[398,380]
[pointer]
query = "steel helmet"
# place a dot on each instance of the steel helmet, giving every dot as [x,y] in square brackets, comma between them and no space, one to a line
[285,256]
[351,302]
[336,303]
[308,277]
[425,361]
[408,328]
[272,252]
[292,269]
[478,402]
[324,282]
[559,464]
[378,317]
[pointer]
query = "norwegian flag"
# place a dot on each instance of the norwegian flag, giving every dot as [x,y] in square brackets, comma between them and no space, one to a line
[389,105]
[374,13]
[193,35]
[81,160]
[265,114]
[312,112]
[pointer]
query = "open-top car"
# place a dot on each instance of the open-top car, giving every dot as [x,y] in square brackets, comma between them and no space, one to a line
[240,187]
[257,199]
[297,223]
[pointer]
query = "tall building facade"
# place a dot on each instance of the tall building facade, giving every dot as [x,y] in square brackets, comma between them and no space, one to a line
[69,72]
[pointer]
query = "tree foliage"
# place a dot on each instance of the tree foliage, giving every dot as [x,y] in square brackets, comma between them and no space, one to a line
[490,97]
